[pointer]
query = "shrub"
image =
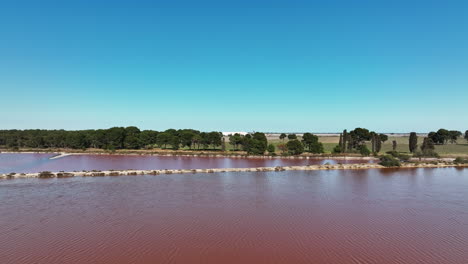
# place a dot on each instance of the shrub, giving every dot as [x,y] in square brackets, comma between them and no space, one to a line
[404,157]
[430,154]
[45,174]
[364,150]
[460,160]
[283,148]
[393,153]
[337,149]
[389,161]
[64,175]
[400,156]
[271,149]
[295,147]
[426,154]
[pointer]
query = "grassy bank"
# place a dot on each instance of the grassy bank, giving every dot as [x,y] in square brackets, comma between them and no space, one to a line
[448,150]
[329,142]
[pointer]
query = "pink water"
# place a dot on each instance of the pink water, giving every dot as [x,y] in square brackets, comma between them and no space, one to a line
[24,162]
[415,216]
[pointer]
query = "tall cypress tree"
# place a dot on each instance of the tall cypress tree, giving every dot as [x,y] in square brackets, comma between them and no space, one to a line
[378,144]
[427,145]
[340,143]
[413,142]
[350,143]
[345,138]
[223,145]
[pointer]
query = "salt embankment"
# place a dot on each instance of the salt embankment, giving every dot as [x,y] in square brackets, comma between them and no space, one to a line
[360,166]
[61,155]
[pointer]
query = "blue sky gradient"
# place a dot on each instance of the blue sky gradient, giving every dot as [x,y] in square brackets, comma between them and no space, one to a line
[320,66]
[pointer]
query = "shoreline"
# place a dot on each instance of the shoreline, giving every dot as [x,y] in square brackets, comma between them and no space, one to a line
[60,154]
[358,166]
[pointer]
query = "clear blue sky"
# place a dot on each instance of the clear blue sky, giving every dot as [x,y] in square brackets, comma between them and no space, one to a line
[317,66]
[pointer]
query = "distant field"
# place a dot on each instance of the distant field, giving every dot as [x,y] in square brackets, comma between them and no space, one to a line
[328,141]
[460,149]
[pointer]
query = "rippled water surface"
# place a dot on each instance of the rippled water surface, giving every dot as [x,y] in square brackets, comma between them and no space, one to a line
[368,216]
[25,162]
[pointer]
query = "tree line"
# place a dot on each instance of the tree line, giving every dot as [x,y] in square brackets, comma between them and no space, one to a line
[257,144]
[439,137]
[354,141]
[133,138]
[444,136]
[110,139]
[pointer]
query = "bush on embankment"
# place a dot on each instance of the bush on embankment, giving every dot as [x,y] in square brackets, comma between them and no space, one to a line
[389,161]
[45,174]
[401,156]
[460,160]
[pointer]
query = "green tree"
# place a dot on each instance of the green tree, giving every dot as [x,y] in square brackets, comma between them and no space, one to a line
[376,142]
[282,136]
[413,142]
[132,138]
[340,142]
[295,147]
[383,137]
[312,143]
[148,138]
[350,143]
[454,135]
[359,136]
[271,149]
[337,149]
[440,137]
[235,140]
[364,151]
[427,145]
[378,145]
[186,137]
[223,145]
[115,137]
[163,139]
[308,139]
[427,149]
[292,136]
[345,140]
[215,139]
[256,143]
[205,140]
[76,140]
[466,135]
[196,140]
[394,145]
[175,142]
[389,161]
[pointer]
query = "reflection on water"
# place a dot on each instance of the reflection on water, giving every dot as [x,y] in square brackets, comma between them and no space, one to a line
[22,162]
[365,216]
